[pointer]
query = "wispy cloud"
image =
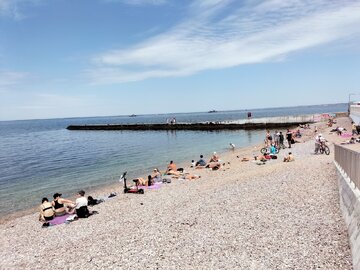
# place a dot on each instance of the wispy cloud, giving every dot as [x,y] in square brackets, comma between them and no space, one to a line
[11,78]
[13,8]
[220,34]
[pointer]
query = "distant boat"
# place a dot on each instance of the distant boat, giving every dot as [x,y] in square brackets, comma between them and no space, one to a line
[212,111]
[133,115]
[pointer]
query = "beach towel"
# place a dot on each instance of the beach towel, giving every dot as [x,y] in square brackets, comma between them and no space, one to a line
[346,135]
[59,220]
[154,186]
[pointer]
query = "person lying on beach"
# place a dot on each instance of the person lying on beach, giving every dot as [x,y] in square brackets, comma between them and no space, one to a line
[189,176]
[92,201]
[171,169]
[60,205]
[340,130]
[141,181]
[47,211]
[351,141]
[262,158]
[289,158]
[214,165]
[245,159]
[201,163]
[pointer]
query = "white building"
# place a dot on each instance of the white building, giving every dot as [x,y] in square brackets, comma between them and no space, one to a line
[355,113]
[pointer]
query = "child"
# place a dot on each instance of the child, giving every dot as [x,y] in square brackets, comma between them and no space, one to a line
[289,158]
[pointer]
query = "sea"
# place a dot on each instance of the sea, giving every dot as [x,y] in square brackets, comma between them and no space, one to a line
[41,157]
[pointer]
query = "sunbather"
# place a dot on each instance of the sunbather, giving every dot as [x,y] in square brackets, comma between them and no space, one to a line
[60,205]
[214,165]
[171,169]
[289,158]
[214,158]
[201,163]
[81,205]
[47,211]
[191,176]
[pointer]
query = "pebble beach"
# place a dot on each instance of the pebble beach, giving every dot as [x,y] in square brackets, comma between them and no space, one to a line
[244,216]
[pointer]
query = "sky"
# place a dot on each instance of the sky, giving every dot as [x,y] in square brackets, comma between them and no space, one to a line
[81,58]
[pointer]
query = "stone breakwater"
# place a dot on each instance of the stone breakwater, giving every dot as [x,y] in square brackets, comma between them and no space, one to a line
[245,216]
[196,126]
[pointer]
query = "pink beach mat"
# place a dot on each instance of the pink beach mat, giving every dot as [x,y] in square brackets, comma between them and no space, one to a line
[155,186]
[59,220]
[346,135]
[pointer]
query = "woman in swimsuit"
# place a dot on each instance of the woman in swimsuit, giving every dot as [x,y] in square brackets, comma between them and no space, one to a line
[59,206]
[47,211]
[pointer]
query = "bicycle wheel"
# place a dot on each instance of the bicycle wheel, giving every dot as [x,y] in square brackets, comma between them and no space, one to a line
[263,150]
[327,150]
[321,149]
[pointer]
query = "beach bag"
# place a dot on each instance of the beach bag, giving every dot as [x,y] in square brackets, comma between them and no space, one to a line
[274,157]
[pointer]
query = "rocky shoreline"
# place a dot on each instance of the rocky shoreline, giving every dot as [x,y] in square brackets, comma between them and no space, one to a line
[245,216]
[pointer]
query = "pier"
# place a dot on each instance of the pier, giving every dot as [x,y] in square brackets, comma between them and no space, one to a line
[196,126]
[247,124]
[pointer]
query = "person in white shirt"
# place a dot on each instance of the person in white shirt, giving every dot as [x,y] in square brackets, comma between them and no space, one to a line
[81,204]
[319,139]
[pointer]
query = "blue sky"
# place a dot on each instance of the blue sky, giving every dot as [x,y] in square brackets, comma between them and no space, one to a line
[65,58]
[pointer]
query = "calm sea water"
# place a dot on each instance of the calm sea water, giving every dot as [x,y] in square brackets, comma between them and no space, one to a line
[41,157]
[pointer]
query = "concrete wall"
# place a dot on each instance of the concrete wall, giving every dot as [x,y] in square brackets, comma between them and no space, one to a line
[350,206]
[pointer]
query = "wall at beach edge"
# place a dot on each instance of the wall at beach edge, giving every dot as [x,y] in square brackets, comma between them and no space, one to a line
[350,207]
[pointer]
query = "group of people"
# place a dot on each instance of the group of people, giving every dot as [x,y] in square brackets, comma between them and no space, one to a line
[214,162]
[278,138]
[60,207]
[171,121]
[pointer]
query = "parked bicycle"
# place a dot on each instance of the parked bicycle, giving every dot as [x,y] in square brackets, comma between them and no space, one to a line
[268,150]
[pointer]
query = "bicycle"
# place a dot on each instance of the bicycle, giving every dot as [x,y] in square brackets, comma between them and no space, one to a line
[324,149]
[267,150]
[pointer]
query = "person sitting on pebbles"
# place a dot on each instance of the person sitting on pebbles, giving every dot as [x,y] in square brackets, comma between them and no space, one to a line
[155,177]
[81,206]
[47,212]
[289,158]
[201,163]
[214,158]
[59,205]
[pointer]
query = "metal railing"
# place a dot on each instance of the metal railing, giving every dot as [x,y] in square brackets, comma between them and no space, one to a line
[349,161]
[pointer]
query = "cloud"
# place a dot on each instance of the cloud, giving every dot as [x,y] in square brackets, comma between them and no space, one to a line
[13,8]
[9,8]
[10,78]
[221,34]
